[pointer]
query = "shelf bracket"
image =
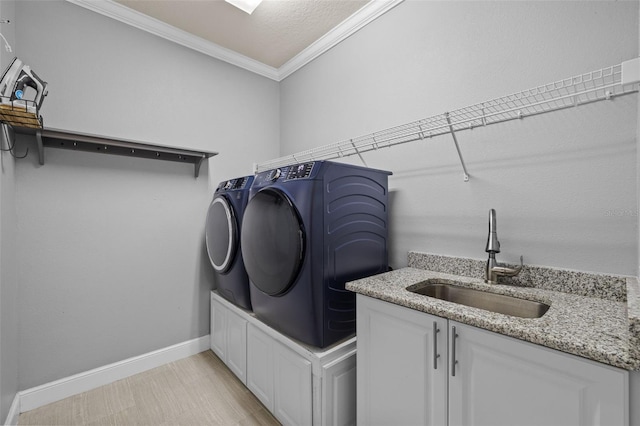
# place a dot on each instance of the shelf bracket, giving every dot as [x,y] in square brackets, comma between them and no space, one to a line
[196,166]
[40,146]
[455,141]
[358,152]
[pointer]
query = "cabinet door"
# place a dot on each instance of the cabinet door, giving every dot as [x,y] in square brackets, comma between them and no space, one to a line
[339,392]
[400,381]
[503,381]
[237,345]
[218,329]
[260,365]
[291,387]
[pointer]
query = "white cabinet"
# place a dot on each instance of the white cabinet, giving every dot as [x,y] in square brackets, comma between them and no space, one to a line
[489,379]
[399,381]
[504,381]
[337,404]
[299,384]
[260,360]
[229,338]
[237,345]
[292,386]
[218,329]
[280,378]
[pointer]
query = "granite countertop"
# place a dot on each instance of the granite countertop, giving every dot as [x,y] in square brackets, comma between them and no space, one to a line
[604,329]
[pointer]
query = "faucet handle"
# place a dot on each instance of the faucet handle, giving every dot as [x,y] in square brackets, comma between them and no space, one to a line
[508,272]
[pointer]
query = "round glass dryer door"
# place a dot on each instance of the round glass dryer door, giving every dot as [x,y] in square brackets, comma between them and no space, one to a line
[221,234]
[272,241]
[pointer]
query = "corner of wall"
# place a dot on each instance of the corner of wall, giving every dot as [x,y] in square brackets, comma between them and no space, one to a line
[8,274]
[14,411]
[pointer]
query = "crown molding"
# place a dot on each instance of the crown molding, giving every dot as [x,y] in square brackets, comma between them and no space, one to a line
[355,22]
[154,26]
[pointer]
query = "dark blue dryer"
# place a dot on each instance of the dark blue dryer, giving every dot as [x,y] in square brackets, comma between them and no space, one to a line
[222,237]
[308,229]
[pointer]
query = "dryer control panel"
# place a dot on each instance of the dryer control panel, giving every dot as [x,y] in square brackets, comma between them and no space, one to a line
[286,173]
[300,171]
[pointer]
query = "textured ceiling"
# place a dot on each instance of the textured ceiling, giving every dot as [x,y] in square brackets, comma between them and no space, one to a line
[276,31]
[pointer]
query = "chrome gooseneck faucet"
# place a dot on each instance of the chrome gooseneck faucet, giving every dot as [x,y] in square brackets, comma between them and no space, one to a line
[494,269]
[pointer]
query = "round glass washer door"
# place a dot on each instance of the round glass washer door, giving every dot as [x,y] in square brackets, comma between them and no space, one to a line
[221,234]
[272,241]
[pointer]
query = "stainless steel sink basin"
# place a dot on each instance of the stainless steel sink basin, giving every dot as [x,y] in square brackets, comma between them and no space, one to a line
[500,303]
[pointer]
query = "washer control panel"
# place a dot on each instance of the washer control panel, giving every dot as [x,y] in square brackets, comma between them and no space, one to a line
[230,185]
[240,183]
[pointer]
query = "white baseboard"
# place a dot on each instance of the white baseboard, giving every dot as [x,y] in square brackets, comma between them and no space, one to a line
[82,382]
[14,412]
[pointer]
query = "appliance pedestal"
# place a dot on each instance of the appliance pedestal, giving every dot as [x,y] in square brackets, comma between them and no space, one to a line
[298,383]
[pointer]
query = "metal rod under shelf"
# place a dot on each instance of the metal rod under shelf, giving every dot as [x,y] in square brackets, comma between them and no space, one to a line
[603,84]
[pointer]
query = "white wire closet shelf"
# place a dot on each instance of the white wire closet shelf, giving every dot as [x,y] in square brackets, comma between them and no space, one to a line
[602,84]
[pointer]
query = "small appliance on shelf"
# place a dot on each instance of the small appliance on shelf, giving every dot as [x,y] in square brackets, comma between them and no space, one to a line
[17,106]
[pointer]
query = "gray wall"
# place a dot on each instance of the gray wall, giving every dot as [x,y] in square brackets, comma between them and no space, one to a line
[634,397]
[109,252]
[8,280]
[563,184]
[634,379]
[111,249]
[8,259]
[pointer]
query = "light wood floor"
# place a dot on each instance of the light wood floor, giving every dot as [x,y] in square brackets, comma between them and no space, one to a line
[199,390]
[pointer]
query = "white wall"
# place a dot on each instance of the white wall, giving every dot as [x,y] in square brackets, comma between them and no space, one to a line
[110,249]
[563,184]
[8,259]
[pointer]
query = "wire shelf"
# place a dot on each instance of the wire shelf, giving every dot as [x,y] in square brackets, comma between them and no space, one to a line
[590,87]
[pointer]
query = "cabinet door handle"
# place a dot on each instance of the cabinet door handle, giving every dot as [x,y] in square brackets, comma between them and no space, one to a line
[454,361]
[436,355]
